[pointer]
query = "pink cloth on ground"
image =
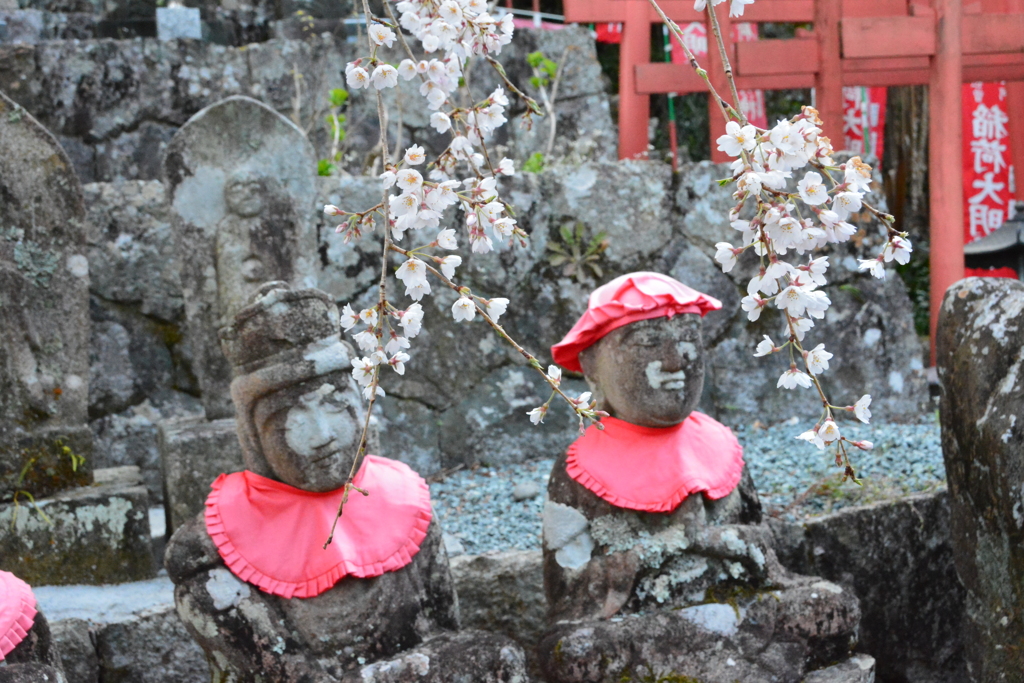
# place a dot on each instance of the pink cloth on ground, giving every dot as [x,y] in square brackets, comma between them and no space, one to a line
[625,300]
[272,534]
[654,469]
[17,612]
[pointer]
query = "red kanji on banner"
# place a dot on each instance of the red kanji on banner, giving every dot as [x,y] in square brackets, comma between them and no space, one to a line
[864,120]
[988,196]
[695,37]
[609,33]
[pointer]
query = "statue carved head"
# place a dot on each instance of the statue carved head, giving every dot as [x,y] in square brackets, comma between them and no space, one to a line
[243,194]
[649,373]
[639,346]
[299,411]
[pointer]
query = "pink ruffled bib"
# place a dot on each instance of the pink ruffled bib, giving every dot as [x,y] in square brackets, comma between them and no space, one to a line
[272,535]
[17,612]
[655,469]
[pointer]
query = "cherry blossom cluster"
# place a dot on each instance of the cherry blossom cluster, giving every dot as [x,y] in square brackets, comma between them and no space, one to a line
[789,205]
[422,195]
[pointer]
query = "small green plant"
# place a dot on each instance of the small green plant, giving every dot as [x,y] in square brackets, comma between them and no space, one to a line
[577,256]
[335,120]
[535,164]
[31,461]
[544,69]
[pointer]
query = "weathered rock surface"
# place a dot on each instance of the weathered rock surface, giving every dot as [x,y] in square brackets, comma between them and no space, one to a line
[897,558]
[857,669]
[755,641]
[240,182]
[44,313]
[131,438]
[88,535]
[464,656]
[502,593]
[129,632]
[152,647]
[115,104]
[194,452]
[76,640]
[979,358]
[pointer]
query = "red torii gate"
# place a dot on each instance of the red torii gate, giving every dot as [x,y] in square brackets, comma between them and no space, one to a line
[941,43]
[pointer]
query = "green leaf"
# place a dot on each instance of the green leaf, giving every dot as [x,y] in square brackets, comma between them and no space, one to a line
[723,182]
[535,59]
[325,167]
[535,164]
[338,97]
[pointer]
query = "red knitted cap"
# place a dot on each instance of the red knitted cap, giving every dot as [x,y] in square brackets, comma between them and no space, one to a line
[625,300]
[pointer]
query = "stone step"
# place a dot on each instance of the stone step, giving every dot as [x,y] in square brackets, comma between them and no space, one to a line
[92,534]
[127,632]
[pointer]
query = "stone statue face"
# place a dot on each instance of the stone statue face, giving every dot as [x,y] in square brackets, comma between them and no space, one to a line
[243,196]
[309,432]
[649,373]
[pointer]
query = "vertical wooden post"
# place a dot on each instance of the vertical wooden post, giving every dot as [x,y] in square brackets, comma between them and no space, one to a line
[1015,109]
[716,72]
[634,109]
[828,82]
[945,165]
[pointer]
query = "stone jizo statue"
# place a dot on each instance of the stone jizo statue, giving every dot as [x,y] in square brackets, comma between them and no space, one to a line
[655,562]
[253,582]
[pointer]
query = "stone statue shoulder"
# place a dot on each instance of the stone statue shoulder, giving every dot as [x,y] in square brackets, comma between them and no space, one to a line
[191,550]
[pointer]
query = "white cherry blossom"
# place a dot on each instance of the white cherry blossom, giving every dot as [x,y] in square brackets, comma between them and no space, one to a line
[463,309]
[811,436]
[874,266]
[381,34]
[765,347]
[449,264]
[446,239]
[349,319]
[726,256]
[357,78]
[440,122]
[413,271]
[812,189]
[384,76]
[793,378]
[860,408]
[398,361]
[737,139]
[817,360]
[414,156]
[496,308]
[828,431]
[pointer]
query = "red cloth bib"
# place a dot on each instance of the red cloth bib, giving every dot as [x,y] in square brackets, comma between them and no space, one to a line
[272,534]
[17,612]
[654,469]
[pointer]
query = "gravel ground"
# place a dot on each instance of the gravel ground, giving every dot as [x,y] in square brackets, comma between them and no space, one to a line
[480,514]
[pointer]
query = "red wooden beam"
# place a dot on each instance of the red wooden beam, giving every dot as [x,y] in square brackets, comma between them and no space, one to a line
[634,107]
[945,168]
[770,57]
[828,81]
[987,33]
[1015,103]
[866,37]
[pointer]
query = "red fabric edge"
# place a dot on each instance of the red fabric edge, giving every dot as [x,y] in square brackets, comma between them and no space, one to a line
[583,477]
[23,622]
[314,586]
